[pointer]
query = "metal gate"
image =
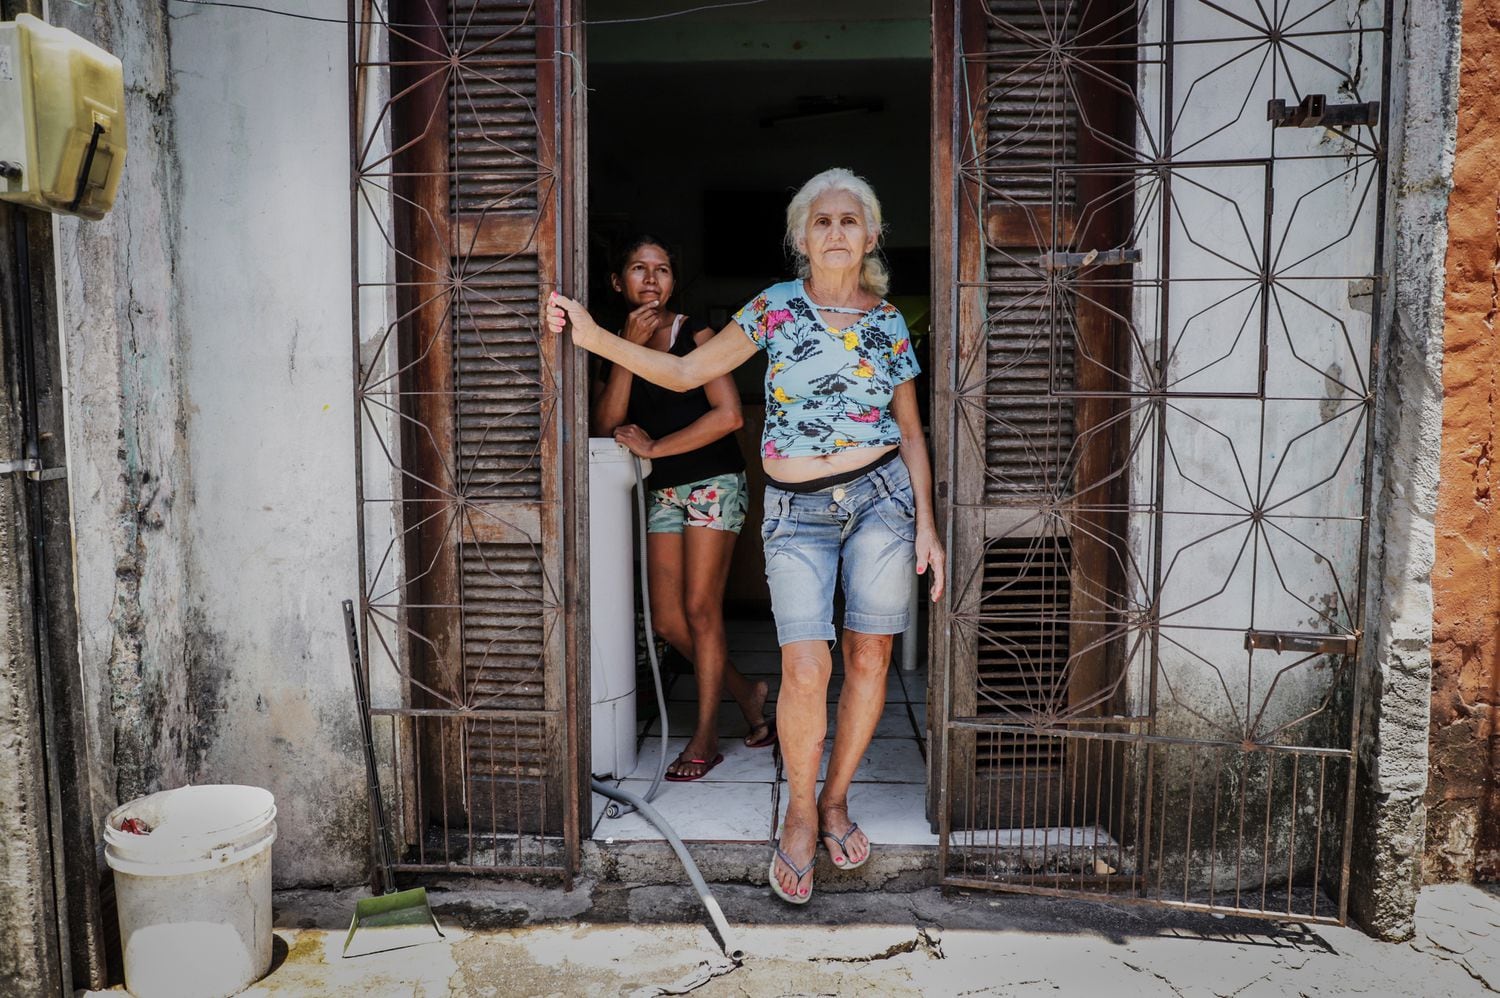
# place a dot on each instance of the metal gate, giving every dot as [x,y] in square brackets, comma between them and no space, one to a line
[1165,226]
[462,200]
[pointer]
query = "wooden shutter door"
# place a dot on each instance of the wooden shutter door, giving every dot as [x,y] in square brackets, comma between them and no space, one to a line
[1029,376]
[481,122]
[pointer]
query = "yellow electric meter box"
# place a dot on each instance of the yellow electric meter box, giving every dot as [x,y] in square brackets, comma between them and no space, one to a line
[62,120]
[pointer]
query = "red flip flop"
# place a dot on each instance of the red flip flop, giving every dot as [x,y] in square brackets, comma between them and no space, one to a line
[671,778]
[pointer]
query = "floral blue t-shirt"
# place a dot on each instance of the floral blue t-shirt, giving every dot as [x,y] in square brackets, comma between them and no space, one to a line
[826,388]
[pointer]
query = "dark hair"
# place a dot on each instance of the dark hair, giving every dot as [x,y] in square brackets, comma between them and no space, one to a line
[623,252]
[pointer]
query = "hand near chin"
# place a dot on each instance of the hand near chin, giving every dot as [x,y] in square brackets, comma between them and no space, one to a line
[563,311]
[640,326]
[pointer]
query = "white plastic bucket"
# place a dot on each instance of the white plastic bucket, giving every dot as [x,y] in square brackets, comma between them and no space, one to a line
[195,894]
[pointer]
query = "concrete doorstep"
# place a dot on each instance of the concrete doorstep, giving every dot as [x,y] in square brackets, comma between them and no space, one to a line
[505,939]
[651,862]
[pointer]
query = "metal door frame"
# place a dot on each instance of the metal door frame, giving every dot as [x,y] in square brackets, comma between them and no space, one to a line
[389,125]
[1143,743]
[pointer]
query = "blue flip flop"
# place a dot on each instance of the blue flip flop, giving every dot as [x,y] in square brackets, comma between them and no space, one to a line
[839,840]
[800,871]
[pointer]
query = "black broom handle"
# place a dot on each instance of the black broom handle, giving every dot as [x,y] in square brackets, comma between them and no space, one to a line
[373,776]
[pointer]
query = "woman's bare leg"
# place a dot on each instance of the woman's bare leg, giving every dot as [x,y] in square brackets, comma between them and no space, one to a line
[717,554]
[867,657]
[677,563]
[801,724]
[665,572]
[706,571]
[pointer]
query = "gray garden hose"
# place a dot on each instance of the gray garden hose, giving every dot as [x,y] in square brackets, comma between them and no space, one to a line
[622,802]
[715,913]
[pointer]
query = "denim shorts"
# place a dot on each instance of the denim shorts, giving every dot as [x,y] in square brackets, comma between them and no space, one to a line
[718,503]
[862,532]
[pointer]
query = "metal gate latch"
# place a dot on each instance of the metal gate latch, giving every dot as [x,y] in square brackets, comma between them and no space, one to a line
[1315,110]
[1093,258]
[1303,641]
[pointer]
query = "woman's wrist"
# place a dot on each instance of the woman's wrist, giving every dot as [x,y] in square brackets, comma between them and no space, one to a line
[587,335]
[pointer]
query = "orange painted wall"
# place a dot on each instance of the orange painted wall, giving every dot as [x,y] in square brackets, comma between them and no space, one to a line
[1463,831]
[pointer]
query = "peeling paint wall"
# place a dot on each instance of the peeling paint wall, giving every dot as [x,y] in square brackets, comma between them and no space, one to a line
[1463,797]
[128,468]
[209,358]
[260,120]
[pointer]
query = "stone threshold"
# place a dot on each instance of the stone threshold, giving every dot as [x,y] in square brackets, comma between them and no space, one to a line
[652,862]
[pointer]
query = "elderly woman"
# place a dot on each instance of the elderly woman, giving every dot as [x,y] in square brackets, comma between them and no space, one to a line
[849,492]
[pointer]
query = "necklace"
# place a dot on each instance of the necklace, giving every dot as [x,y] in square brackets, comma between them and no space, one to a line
[840,309]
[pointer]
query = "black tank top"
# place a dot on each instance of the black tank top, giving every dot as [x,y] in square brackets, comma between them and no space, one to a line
[660,411]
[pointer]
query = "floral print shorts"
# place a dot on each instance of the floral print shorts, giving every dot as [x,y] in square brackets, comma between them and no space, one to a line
[718,503]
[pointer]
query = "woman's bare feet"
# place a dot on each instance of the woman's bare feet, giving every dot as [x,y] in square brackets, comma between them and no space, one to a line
[754,709]
[696,758]
[834,824]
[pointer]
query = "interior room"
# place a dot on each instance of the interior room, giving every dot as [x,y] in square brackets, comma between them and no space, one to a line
[700,128]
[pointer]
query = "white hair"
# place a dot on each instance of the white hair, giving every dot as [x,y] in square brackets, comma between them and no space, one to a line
[873,276]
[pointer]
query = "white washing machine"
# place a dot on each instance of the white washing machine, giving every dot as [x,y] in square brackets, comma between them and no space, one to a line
[612,518]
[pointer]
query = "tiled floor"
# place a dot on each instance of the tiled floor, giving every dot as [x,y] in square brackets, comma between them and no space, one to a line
[734,803]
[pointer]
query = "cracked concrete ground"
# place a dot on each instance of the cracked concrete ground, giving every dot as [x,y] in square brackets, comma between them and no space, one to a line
[505,940]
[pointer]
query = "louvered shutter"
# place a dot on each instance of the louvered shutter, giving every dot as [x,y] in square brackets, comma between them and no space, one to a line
[1024,453]
[481,203]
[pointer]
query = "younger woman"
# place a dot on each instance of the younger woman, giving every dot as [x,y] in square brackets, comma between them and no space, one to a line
[697,498]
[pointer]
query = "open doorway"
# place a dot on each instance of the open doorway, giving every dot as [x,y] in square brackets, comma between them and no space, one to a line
[700,127]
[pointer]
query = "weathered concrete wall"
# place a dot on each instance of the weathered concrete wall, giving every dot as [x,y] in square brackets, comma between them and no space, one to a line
[260,119]
[128,468]
[1390,816]
[1463,795]
[207,324]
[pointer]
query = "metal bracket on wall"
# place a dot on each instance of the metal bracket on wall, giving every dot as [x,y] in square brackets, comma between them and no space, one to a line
[1314,110]
[33,470]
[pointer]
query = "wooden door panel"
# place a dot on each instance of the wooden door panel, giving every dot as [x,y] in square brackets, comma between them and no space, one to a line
[479,124]
[1032,423]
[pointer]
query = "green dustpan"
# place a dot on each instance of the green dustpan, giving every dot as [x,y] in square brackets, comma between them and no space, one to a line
[392,921]
[395,919]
